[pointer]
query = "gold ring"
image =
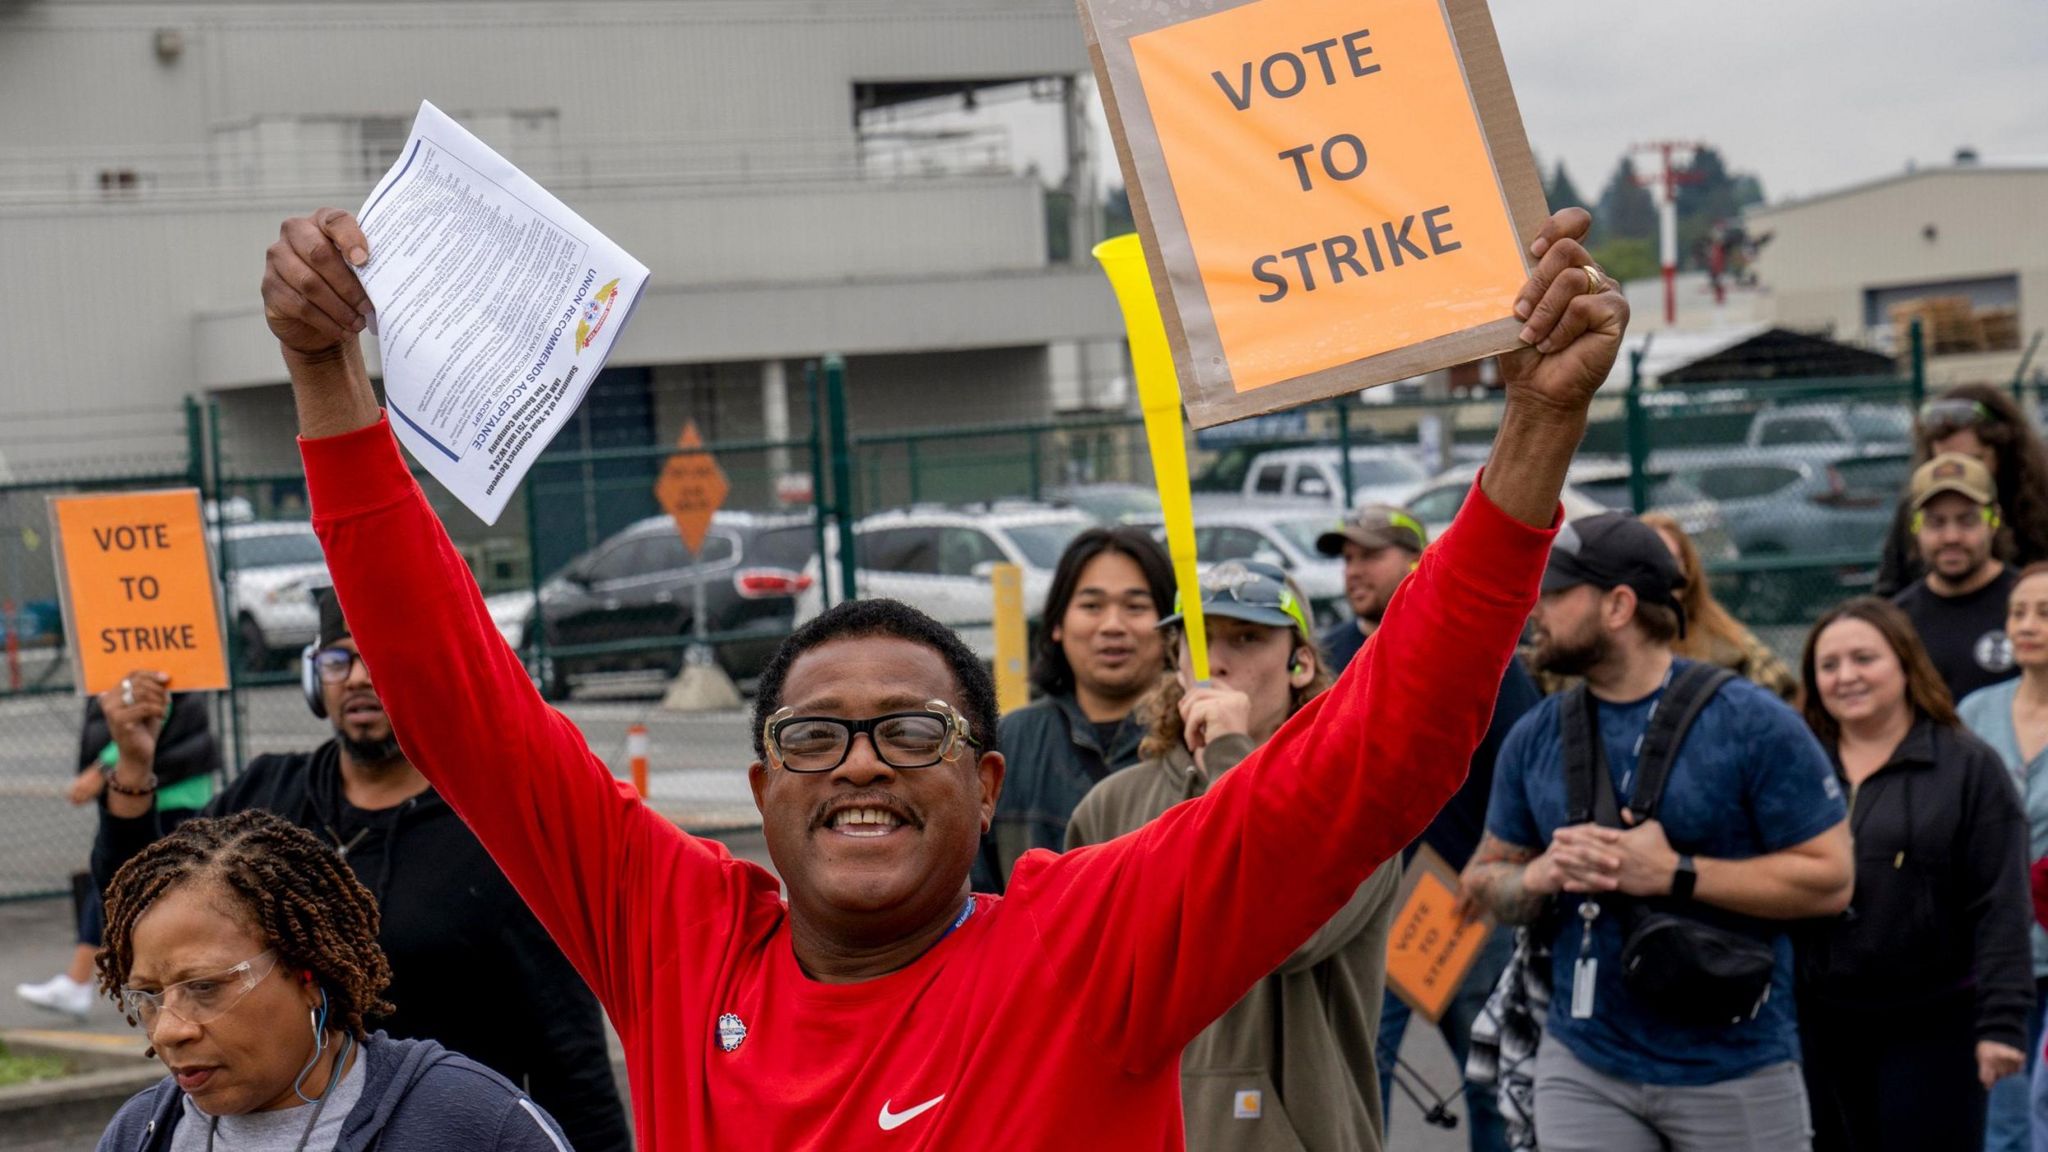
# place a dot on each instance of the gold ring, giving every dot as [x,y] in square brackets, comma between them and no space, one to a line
[1596,281]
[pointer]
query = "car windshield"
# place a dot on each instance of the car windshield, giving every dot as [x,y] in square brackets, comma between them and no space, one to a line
[1880,424]
[1042,544]
[1378,471]
[1612,492]
[1301,532]
[273,551]
[791,547]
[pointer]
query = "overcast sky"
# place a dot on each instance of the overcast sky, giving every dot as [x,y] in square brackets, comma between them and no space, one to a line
[1809,95]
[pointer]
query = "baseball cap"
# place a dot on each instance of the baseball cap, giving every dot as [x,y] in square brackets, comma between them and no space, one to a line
[1612,550]
[1966,476]
[1252,591]
[333,626]
[1373,527]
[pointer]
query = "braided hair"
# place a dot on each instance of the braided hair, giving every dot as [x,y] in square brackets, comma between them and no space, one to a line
[293,889]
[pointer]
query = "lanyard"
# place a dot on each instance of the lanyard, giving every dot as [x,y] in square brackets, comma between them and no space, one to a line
[1628,779]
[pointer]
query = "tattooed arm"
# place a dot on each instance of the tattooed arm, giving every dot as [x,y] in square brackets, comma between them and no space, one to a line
[1510,881]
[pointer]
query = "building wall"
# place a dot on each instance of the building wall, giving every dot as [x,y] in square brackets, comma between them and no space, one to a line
[714,139]
[1826,252]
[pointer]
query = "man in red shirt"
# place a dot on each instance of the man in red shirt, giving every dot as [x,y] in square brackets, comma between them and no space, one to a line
[883,1006]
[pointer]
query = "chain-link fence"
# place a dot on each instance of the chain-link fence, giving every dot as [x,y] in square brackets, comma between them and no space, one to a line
[1788,487]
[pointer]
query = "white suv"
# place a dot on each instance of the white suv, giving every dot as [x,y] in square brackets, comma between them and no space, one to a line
[939,559]
[1379,475]
[269,569]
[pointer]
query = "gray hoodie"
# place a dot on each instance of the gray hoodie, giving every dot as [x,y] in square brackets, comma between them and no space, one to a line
[417,1097]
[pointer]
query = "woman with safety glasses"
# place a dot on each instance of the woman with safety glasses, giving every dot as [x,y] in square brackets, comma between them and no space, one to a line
[1292,1064]
[247,951]
[1980,421]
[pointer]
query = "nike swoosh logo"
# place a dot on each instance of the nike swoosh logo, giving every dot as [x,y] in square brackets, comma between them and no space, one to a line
[891,1121]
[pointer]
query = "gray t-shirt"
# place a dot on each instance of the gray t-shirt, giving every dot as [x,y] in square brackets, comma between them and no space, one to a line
[277,1131]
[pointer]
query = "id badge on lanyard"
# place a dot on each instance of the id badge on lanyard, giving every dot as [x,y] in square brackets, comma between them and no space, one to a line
[1586,969]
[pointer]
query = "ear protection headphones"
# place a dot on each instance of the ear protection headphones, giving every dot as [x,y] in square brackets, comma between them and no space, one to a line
[309,682]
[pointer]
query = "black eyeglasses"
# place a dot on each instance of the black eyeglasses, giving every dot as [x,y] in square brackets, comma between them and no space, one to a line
[334,664]
[914,739]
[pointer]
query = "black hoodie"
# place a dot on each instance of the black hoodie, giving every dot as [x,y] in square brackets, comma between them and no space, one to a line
[471,967]
[417,1097]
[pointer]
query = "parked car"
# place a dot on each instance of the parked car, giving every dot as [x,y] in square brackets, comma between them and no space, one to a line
[641,584]
[940,558]
[1856,428]
[1379,475]
[1437,504]
[1783,507]
[1608,483]
[269,569]
[1234,530]
[1110,503]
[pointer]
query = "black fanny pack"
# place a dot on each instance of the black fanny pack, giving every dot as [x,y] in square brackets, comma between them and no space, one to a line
[1683,968]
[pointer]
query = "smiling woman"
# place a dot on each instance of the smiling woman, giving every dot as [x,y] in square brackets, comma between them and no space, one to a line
[247,952]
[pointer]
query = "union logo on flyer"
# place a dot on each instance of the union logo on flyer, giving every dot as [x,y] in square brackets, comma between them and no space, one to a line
[595,314]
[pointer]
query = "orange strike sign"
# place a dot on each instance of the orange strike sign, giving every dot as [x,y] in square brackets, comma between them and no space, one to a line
[1432,945]
[138,589]
[1332,195]
[692,488]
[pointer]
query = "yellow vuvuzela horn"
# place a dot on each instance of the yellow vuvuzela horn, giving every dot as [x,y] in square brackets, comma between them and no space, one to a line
[1123,258]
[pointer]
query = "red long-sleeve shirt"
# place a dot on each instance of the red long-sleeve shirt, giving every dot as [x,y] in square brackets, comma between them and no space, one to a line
[1053,1018]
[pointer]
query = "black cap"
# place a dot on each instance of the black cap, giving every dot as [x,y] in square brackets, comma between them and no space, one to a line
[1613,549]
[332,626]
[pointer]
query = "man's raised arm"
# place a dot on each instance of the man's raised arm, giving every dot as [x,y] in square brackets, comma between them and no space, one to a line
[1242,876]
[576,843]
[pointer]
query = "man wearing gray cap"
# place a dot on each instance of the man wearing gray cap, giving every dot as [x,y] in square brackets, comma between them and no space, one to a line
[1380,545]
[1656,826]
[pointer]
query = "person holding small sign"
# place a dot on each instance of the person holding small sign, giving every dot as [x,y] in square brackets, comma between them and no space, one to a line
[881,1003]
[1297,1053]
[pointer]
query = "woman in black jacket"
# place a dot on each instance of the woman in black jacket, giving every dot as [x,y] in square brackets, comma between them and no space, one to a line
[1983,422]
[1916,1000]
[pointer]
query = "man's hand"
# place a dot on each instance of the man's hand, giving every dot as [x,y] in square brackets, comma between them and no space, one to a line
[1214,710]
[135,710]
[1996,1061]
[1574,318]
[311,298]
[1511,881]
[1637,862]
[86,787]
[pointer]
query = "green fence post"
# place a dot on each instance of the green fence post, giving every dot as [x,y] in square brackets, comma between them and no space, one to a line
[818,505]
[1919,379]
[1638,431]
[195,446]
[842,473]
[1344,449]
[910,466]
[237,728]
[1032,461]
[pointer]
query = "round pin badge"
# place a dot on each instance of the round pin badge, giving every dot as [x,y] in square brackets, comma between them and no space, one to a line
[732,1032]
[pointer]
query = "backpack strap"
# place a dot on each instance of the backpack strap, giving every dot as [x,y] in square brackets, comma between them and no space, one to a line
[1690,692]
[1581,761]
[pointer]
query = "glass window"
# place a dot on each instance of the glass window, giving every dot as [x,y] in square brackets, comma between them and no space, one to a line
[274,551]
[1799,430]
[1743,481]
[1304,533]
[1439,504]
[910,550]
[1881,424]
[1042,544]
[625,558]
[1874,475]
[790,547]
[962,550]
[1272,480]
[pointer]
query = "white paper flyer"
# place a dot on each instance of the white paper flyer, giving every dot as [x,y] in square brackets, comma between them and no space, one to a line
[495,307]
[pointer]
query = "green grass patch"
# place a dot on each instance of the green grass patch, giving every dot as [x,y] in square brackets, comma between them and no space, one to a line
[23,1069]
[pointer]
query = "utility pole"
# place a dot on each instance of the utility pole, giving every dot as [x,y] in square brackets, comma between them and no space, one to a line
[1663,186]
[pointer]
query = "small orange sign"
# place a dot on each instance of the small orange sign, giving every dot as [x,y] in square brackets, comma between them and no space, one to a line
[692,488]
[138,589]
[1432,945]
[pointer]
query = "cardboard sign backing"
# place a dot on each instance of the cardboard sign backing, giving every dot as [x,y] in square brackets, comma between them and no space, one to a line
[1332,196]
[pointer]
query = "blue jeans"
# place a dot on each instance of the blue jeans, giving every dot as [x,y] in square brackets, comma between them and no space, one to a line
[1482,1112]
[2006,1124]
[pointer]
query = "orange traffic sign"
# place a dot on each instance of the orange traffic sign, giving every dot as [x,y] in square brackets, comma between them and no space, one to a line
[692,488]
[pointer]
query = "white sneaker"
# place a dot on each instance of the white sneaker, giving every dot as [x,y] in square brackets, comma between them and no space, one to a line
[61,994]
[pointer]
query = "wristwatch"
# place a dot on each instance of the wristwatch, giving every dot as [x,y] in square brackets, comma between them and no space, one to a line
[1683,879]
